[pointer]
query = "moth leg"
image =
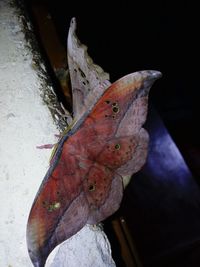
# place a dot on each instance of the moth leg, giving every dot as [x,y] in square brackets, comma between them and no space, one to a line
[49,146]
[46,146]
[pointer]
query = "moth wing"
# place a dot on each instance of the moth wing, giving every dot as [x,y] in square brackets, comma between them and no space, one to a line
[41,243]
[132,124]
[111,204]
[60,208]
[88,80]
[117,120]
[124,147]
[82,185]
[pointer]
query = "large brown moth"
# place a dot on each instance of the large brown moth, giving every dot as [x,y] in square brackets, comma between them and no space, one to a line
[95,159]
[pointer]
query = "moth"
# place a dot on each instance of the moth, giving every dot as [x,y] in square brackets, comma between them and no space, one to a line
[96,157]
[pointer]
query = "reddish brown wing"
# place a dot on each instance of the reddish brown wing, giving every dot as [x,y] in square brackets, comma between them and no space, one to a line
[84,183]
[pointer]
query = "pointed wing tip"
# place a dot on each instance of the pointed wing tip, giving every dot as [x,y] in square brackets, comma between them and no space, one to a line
[72,25]
[154,74]
[150,75]
[73,20]
[148,78]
